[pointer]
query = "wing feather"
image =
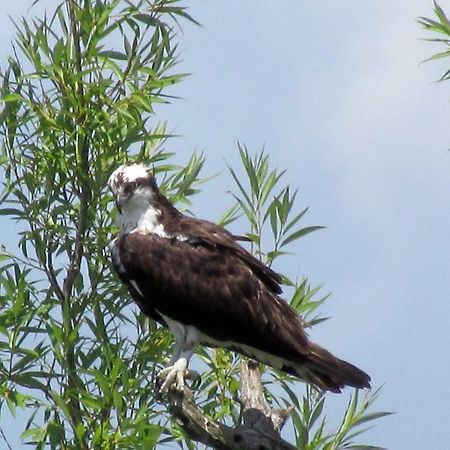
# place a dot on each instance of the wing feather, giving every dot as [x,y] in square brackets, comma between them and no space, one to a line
[211,234]
[213,288]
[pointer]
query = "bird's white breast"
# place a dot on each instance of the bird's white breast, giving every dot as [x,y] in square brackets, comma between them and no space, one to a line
[141,220]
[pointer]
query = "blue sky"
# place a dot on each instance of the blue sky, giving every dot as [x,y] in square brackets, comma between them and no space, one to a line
[335,92]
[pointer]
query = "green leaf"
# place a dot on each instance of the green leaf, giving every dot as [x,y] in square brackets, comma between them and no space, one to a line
[300,233]
[11,212]
[370,417]
[11,97]
[295,220]
[250,169]
[441,15]
[147,19]
[269,184]
[113,54]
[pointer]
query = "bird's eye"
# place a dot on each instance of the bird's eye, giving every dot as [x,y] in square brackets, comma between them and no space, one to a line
[130,187]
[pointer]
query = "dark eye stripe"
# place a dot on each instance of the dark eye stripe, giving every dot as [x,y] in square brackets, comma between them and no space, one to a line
[130,187]
[143,181]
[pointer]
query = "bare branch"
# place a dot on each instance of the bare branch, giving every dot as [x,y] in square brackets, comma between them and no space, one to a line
[260,430]
[256,413]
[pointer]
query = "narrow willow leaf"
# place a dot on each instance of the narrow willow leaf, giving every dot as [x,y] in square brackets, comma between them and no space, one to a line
[370,417]
[250,169]
[248,201]
[113,54]
[11,212]
[11,97]
[441,15]
[147,19]
[300,233]
[295,220]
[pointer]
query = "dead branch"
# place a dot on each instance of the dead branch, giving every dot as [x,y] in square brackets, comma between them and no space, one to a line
[261,424]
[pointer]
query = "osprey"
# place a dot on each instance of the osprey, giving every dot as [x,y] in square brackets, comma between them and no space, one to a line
[193,277]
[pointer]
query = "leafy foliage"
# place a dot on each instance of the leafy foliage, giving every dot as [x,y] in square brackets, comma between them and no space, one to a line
[261,205]
[72,110]
[76,361]
[441,25]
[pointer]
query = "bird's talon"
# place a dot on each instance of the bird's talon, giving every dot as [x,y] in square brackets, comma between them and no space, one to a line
[172,377]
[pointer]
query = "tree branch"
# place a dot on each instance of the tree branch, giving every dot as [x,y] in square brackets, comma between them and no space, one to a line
[256,413]
[260,430]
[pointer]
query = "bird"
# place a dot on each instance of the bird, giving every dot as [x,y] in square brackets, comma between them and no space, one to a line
[195,278]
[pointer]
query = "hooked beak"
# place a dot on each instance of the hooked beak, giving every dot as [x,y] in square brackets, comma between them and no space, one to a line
[120,200]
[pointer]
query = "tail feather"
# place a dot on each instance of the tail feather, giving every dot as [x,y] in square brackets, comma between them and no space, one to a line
[327,372]
[318,367]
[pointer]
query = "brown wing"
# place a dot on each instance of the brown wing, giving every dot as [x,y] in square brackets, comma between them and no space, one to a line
[212,287]
[208,233]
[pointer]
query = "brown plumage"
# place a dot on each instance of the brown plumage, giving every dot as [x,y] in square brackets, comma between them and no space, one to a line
[192,275]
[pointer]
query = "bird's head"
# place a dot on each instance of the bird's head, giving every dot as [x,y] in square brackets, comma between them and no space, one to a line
[133,186]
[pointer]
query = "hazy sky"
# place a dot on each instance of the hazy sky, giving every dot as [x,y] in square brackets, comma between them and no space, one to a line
[335,92]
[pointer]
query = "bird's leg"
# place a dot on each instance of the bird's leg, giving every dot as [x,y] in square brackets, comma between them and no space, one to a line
[162,374]
[185,341]
[176,372]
